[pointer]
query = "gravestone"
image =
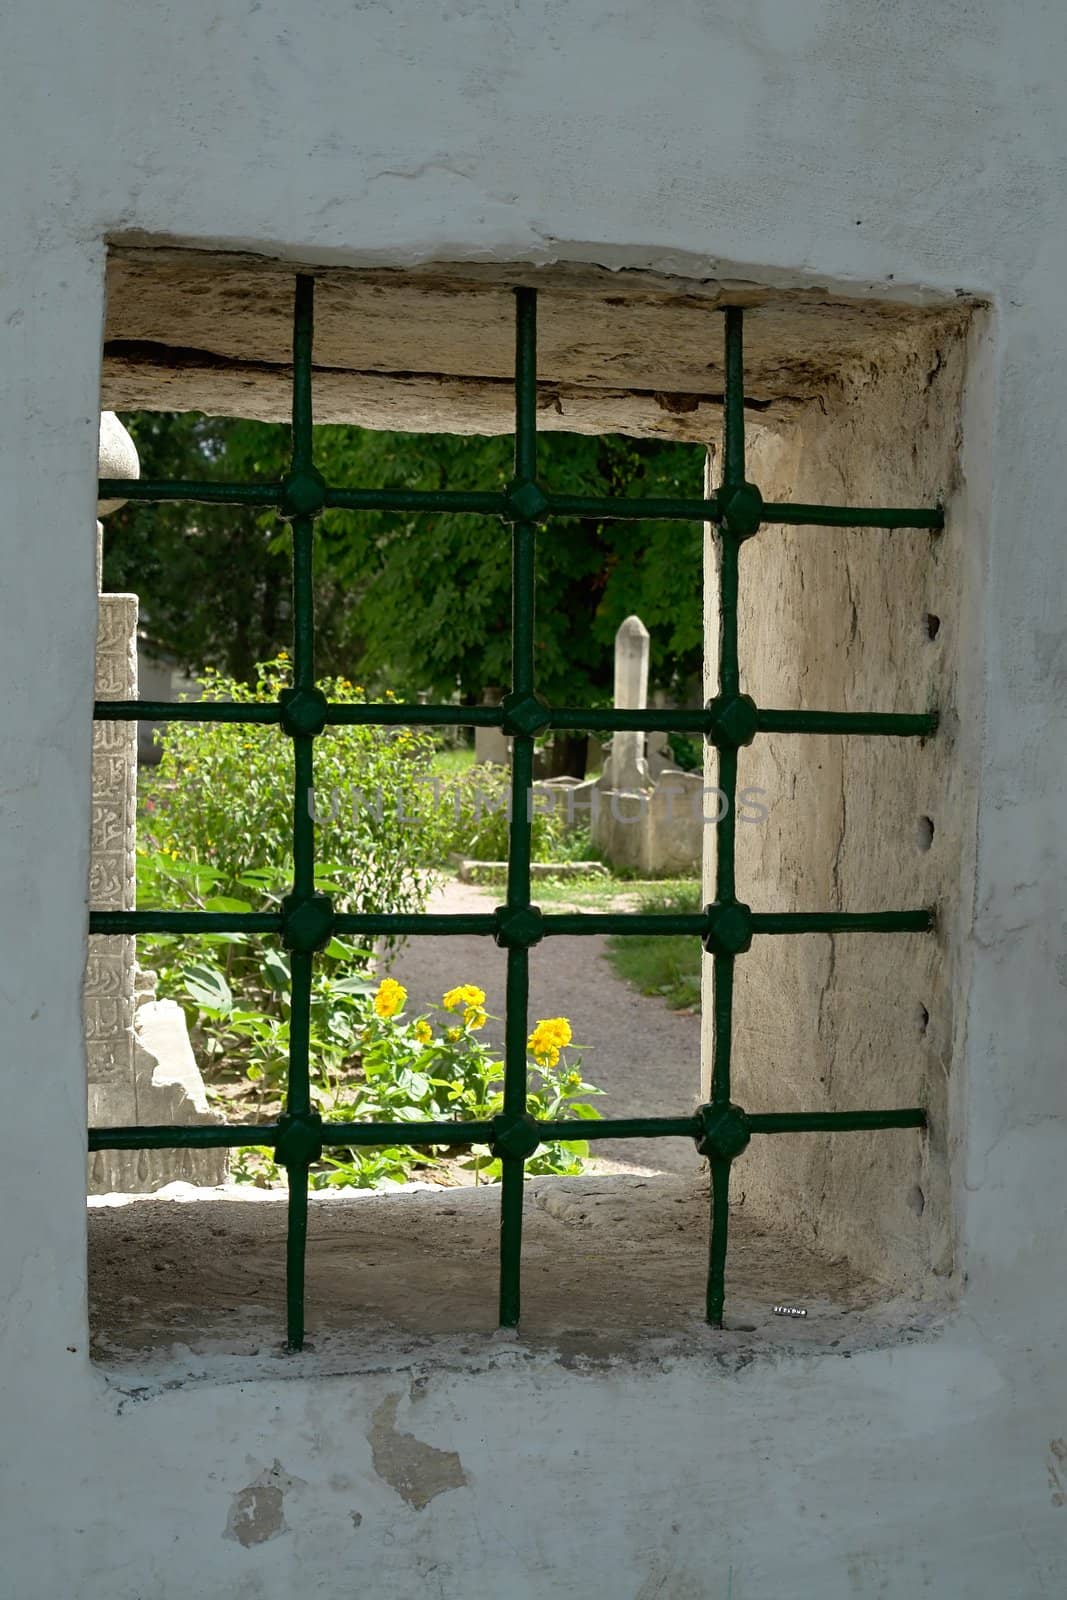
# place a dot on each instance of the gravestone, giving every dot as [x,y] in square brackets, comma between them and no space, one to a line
[492,745]
[651,825]
[140,1065]
[626,769]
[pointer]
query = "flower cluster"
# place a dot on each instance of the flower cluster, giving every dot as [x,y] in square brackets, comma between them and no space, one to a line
[389,997]
[551,1035]
[469,999]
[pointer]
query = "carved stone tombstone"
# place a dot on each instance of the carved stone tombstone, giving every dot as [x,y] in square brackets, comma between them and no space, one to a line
[140,1066]
[627,769]
[651,825]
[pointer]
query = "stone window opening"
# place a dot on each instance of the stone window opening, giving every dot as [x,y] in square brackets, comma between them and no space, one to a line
[608,1260]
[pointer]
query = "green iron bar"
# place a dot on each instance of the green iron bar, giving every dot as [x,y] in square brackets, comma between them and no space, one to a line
[151,491]
[898,724]
[544,508]
[301,709]
[418,1135]
[186,711]
[513,1143]
[920,921]
[571,924]
[615,509]
[702,923]
[133,922]
[800,516]
[733,495]
[895,724]
[453,501]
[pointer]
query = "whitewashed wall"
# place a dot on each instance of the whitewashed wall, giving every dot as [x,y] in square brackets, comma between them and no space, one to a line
[918,145]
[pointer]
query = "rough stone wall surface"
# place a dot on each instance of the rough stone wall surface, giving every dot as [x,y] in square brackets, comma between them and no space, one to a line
[841,619]
[139,1062]
[109,971]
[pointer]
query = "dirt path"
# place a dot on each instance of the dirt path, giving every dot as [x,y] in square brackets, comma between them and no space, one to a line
[645,1057]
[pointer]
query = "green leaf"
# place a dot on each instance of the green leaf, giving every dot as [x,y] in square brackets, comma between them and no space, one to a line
[223,902]
[354,985]
[276,969]
[207,986]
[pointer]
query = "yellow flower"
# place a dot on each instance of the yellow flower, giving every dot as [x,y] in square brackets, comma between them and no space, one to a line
[389,998]
[467,996]
[283,655]
[474,1017]
[550,1036]
[423,1032]
[453,1035]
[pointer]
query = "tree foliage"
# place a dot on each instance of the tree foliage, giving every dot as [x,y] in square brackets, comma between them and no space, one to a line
[422,602]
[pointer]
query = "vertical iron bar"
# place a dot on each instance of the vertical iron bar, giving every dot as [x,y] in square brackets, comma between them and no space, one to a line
[733,419]
[720,1219]
[516,1009]
[296,1235]
[725,840]
[516,1025]
[303,336]
[298,1088]
[525,385]
[522,744]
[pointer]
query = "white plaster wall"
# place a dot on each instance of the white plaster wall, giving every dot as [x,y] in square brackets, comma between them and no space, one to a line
[919,144]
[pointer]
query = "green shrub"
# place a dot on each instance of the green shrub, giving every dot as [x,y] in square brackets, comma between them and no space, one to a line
[222,797]
[216,835]
[467,815]
[370,1062]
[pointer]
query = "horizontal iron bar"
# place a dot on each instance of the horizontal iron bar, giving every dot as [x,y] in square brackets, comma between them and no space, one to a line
[573,923]
[416,1133]
[477,502]
[386,714]
[127,922]
[200,493]
[189,1136]
[834,1121]
[622,1128]
[486,503]
[785,511]
[580,923]
[693,720]
[208,1136]
[444,923]
[920,921]
[186,711]
[633,510]
[566,923]
[901,724]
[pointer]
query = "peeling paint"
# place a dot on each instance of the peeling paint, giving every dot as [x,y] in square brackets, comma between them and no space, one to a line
[416,1470]
[257,1510]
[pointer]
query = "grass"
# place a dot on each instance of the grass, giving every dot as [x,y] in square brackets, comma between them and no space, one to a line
[667,966]
[451,762]
[611,892]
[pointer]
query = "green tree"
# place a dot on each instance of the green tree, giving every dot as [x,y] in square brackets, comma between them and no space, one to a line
[422,602]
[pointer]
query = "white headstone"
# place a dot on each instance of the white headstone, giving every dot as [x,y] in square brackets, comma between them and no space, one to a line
[628,767]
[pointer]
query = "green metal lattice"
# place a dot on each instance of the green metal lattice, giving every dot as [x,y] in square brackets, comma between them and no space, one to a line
[306,919]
